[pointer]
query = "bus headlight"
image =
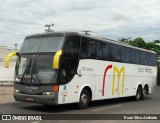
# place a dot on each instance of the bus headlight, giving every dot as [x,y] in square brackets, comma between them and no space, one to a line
[17,91]
[48,93]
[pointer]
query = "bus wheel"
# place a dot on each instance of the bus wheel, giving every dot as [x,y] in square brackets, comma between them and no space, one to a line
[144,94]
[138,94]
[84,99]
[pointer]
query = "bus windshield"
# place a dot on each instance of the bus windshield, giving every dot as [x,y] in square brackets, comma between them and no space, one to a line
[36,70]
[42,44]
[36,67]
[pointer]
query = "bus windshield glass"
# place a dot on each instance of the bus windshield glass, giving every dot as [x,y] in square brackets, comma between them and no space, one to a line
[42,44]
[36,70]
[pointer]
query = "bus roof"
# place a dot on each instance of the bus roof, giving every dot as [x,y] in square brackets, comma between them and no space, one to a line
[48,34]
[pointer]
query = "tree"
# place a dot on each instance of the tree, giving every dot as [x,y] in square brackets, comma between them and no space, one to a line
[125,40]
[153,46]
[156,41]
[139,42]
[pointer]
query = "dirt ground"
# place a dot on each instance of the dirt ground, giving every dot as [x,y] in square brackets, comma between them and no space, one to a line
[6,94]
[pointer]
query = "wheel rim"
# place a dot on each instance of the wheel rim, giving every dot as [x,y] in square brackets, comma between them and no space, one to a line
[84,99]
[144,92]
[138,94]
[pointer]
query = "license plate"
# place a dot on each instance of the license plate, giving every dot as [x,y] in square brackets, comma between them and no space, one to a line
[29,98]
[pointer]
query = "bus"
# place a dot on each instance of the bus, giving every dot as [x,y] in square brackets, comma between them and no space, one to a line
[70,67]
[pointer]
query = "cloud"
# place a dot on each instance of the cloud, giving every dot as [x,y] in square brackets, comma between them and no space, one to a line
[109,18]
[120,16]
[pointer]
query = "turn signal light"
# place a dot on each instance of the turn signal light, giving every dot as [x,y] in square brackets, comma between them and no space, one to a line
[55,88]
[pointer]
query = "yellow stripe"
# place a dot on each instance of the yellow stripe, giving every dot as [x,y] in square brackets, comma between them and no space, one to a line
[113,79]
[119,73]
[123,83]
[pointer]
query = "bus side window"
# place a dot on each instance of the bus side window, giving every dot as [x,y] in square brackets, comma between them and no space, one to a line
[127,55]
[100,50]
[88,49]
[154,59]
[72,47]
[116,53]
[103,51]
[149,59]
[69,59]
[144,59]
[136,57]
[84,48]
[92,49]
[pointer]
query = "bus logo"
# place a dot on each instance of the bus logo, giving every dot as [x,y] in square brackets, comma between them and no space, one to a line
[120,73]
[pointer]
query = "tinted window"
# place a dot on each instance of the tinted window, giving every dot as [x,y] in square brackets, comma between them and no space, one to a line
[70,59]
[84,48]
[88,49]
[152,58]
[51,44]
[72,46]
[64,73]
[137,57]
[44,69]
[127,55]
[42,44]
[92,49]
[102,51]
[145,58]
[115,53]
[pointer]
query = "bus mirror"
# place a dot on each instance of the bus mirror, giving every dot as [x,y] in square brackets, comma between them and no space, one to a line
[56,59]
[7,60]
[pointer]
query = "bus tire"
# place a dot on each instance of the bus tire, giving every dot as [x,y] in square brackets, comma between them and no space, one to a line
[84,99]
[138,95]
[144,93]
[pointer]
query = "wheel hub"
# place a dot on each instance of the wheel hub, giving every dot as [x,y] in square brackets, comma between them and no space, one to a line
[84,98]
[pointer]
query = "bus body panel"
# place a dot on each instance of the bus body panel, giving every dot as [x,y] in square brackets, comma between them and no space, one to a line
[121,83]
[74,88]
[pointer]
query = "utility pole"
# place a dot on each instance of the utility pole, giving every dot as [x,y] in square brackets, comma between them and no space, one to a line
[127,39]
[49,27]
[15,46]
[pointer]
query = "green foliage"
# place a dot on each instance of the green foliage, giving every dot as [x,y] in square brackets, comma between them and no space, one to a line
[139,42]
[153,46]
[156,41]
[124,40]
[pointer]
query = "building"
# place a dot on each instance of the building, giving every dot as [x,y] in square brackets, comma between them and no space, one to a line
[6,74]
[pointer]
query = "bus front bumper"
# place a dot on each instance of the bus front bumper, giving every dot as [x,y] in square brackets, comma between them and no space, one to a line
[43,99]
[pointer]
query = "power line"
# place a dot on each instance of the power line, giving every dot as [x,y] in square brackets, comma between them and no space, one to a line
[22,22]
[96,31]
[29,23]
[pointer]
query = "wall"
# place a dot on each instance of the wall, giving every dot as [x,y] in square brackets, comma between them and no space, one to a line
[6,74]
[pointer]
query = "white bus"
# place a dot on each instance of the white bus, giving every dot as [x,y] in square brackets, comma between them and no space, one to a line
[68,67]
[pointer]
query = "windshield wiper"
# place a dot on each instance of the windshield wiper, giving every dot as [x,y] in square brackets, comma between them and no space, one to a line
[27,69]
[34,78]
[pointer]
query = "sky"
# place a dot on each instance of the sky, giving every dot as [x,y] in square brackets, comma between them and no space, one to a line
[107,18]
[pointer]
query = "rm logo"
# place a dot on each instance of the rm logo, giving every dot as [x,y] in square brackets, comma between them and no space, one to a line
[120,73]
